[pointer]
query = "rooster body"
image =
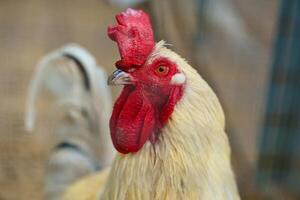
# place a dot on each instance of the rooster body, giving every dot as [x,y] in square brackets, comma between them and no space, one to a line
[189,160]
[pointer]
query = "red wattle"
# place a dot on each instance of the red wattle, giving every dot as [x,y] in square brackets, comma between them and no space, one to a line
[132,121]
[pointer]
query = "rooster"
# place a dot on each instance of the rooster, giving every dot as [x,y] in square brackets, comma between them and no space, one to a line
[167,125]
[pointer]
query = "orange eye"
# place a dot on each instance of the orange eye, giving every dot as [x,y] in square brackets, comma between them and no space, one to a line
[162,70]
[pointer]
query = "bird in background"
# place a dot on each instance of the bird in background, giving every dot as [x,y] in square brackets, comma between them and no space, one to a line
[167,126]
[80,93]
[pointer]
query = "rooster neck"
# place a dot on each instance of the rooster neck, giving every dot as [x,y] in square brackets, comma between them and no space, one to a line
[190,160]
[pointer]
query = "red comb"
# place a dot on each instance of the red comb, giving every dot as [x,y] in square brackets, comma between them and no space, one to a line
[134,37]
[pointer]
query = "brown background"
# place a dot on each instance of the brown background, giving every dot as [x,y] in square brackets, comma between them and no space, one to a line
[29,29]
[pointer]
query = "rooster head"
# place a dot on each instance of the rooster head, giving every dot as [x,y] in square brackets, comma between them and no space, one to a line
[153,83]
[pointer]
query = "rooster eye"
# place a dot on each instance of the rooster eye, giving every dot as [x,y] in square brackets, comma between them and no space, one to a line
[162,70]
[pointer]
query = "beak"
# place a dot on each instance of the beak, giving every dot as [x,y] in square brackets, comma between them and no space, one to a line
[119,77]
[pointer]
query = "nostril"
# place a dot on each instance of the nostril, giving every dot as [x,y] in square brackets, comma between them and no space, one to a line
[117,72]
[119,77]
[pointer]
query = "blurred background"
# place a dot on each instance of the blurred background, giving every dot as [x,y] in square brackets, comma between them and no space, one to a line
[246,50]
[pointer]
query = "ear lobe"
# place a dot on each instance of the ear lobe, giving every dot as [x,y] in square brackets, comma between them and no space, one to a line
[168,108]
[178,79]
